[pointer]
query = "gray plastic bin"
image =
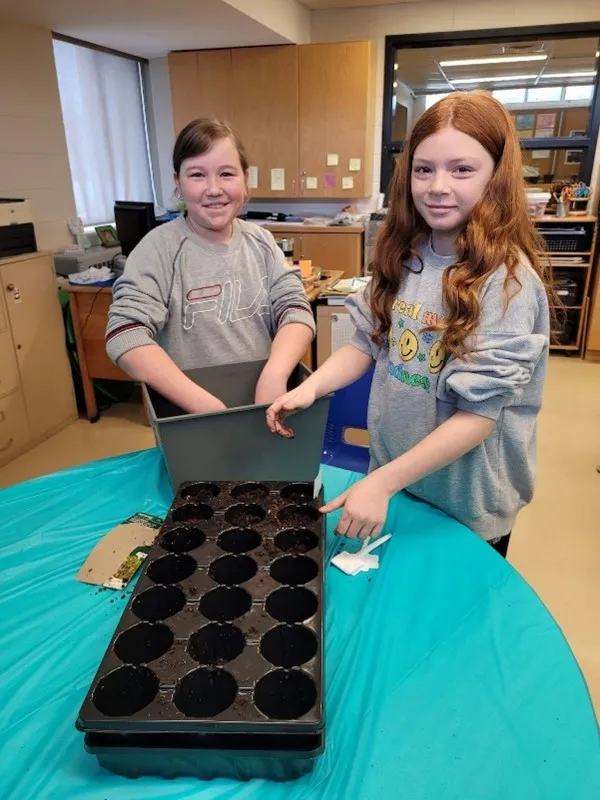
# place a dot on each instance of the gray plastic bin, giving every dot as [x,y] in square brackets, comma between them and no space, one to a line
[236,445]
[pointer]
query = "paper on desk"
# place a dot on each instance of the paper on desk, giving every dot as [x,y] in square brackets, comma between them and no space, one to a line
[349,285]
[117,556]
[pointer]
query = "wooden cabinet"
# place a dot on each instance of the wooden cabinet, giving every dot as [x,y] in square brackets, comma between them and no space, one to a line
[336,116]
[292,106]
[330,248]
[592,351]
[37,387]
[201,85]
[265,113]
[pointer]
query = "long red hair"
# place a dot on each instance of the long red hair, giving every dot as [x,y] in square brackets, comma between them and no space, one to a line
[498,231]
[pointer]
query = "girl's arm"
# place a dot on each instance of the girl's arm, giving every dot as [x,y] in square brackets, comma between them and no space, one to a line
[366,503]
[345,366]
[150,364]
[289,345]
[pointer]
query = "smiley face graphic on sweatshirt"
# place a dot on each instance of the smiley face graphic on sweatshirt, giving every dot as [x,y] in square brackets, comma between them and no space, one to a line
[437,357]
[408,346]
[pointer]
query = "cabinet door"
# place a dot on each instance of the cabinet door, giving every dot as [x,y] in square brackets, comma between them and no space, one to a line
[265,113]
[200,85]
[31,297]
[335,117]
[9,371]
[14,429]
[332,251]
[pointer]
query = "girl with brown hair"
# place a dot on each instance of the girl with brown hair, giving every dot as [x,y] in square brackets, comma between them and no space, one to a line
[456,320]
[208,288]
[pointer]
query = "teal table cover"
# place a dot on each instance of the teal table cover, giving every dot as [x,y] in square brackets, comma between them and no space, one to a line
[446,677]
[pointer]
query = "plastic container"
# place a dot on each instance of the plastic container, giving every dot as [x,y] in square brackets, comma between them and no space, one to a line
[223,633]
[240,757]
[537,202]
[236,444]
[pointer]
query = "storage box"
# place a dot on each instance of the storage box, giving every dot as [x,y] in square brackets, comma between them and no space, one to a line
[236,444]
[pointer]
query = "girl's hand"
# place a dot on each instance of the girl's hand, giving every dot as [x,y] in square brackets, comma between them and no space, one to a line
[301,397]
[365,508]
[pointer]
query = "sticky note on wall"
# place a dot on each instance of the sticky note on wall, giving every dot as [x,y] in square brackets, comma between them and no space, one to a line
[354,165]
[312,183]
[277,180]
[329,181]
[332,159]
[253,177]
[347,183]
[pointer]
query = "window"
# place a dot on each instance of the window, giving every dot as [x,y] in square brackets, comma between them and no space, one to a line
[548,84]
[103,113]
[579,92]
[509,95]
[432,99]
[544,94]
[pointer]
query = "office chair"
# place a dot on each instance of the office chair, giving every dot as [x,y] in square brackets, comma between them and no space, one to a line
[348,409]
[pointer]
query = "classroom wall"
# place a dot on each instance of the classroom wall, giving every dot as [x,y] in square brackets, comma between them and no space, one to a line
[432,17]
[33,151]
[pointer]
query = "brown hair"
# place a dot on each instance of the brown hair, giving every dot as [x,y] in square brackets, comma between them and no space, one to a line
[498,231]
[198,137]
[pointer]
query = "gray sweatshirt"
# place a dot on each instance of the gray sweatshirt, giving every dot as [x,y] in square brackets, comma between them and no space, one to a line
[205,304]
[416,388]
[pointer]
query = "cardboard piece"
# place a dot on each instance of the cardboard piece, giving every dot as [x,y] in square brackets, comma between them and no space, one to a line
[128,542]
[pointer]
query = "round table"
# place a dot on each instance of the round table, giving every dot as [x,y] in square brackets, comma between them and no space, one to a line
[446,677]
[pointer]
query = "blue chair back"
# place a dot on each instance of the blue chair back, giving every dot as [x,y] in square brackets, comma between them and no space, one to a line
[348,409]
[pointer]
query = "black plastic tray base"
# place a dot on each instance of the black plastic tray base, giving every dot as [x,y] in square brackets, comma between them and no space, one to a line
[167,756]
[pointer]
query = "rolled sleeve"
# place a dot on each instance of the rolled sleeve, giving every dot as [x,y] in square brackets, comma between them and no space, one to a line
[495,373]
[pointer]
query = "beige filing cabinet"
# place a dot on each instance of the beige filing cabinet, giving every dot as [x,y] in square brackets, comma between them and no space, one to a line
[328,247]
[36,386]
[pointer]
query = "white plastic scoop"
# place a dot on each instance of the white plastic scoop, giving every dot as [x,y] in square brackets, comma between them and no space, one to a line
[353,563]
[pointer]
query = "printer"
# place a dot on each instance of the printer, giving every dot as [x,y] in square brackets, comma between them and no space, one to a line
[17,235]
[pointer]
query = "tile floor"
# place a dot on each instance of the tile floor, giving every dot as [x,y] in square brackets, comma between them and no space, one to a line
[555,545]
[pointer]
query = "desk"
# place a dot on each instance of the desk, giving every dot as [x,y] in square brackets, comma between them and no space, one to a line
[89,309]
[446,678]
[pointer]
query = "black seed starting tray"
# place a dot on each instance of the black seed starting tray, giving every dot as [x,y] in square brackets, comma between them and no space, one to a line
[223,633]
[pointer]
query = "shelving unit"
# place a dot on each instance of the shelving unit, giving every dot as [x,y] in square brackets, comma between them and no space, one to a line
[560,233]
